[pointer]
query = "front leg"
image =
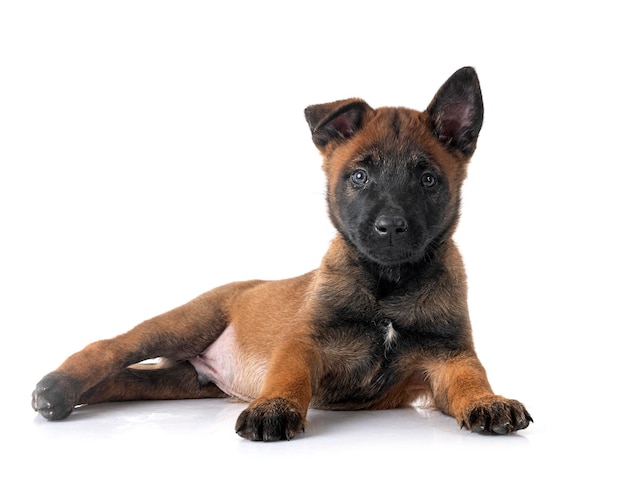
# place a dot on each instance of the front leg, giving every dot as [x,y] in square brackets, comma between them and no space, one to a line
[461,389]
[280,411]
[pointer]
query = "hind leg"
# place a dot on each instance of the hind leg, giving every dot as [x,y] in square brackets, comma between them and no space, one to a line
[99,371]
[159,382]
[162,381]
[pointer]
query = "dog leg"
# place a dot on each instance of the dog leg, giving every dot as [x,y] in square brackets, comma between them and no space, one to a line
[179,334]
[280,411]
[461,389]
[162,381]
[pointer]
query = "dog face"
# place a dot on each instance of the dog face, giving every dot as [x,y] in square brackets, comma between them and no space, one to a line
[390,203]
[394,174]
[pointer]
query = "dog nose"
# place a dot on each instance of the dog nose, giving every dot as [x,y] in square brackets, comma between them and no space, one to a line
[387,225]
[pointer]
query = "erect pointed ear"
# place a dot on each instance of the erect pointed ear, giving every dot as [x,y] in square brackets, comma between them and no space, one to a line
[456,111]
[335,120]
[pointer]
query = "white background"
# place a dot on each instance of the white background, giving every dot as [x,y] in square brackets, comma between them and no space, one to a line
[152,150]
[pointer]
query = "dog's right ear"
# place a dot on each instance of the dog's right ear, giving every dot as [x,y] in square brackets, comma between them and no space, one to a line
[336,120]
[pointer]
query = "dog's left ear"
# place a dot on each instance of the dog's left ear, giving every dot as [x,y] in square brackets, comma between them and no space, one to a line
[338,120]
[456,111]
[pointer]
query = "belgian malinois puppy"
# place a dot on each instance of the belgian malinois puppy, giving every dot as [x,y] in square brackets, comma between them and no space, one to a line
[380,324]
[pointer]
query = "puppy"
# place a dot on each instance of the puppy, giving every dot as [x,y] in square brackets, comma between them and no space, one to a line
[380,324]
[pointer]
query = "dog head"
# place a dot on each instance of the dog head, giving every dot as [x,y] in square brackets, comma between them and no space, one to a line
[393,174]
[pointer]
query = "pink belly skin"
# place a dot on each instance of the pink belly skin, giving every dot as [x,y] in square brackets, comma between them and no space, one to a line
[224,364]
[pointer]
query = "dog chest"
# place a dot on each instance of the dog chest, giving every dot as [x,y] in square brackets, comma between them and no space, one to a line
[359,362]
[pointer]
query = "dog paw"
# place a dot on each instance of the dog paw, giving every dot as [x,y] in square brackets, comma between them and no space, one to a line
[55,396]
[496,415]
[270,420]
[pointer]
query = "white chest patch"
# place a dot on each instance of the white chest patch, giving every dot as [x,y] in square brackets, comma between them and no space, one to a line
[391,336]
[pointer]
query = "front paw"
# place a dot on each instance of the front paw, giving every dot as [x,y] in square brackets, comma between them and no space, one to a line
[55,396]
[270,420]
[495,414]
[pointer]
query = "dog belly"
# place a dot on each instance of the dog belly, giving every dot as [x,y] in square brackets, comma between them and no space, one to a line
[223,364]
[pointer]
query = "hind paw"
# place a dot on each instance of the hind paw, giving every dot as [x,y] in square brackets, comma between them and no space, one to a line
[55,396]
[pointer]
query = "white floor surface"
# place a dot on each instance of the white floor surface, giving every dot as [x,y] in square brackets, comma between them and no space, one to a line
[196,438]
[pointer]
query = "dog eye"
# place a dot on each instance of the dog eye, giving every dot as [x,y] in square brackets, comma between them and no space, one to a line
[429,180]
[359,177]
